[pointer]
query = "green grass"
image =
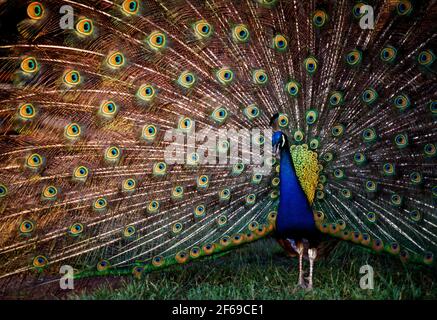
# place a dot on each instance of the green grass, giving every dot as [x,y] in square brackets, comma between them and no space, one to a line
[262,271]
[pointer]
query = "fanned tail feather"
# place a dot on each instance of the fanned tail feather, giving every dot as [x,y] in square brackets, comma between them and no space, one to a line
[84,115]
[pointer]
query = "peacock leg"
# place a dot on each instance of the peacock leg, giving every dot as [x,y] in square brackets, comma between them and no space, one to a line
[300,249]
[312,255]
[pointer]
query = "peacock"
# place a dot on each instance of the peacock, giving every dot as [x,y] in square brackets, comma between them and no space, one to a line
[112,158]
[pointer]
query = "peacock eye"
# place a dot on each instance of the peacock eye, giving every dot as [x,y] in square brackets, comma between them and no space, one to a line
[240,33]
[202,29]
[84,27]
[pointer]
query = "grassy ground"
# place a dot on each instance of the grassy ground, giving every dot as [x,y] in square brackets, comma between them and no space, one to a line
[262,271]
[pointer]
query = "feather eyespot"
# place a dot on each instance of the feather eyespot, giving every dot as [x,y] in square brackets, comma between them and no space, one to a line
[29,65]
[112,154]
[360,158]
[34,161]
[354,57]
[258,139]
[193,159]
[404,7]
[130,6]
[256,178]
[260,77]
[219,115]
[369,135]
[157,40]
[272,215]
[72,131]
[250,199]
[402,102]
[158,261]
[225,194]
[224,76]
[433,108]
[26,227]
[202,29]
[346,193]
[430,150]
[388,54]
[319,18]
[221,220]
[320,194]
[339,174]
[3,190]
[251,112]
[199,211]
[240,33]
[129,185]
[146,92]
[275,182]
[182,257]
[253,225]
[35,10]
[159,169]
[371,186]
[426,58]
[283,120]
[153,206]
[314,143]
[80,173]
[416,178]
[108,109]
[401,140]
[396,200]
[274,194]
[292,88]
[428,258]
[311,116]
[369,96]
[357,11]
[85,27]
[298,135]
[50,193]
[388,169]
[208,248]
[129,231]
[177,192]
[149,132]
[328,156]
[71,78]
[203,182]
[185,124]
[177,227]
[223,146]
[195,252]
[238,239]
[100,203]
[280,43]
[27,111]
[40,262]
[115,60]
[238,168]
[336,98]
[75,229]
[310,65]
[338,130]
[187,79]
[103,265]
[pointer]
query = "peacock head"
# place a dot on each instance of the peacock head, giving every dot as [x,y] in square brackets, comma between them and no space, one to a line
[279,139]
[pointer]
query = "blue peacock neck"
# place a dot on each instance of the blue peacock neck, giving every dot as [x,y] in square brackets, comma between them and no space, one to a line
[295,216]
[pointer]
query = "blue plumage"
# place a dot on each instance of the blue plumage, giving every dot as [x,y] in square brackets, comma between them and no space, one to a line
[295,216]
